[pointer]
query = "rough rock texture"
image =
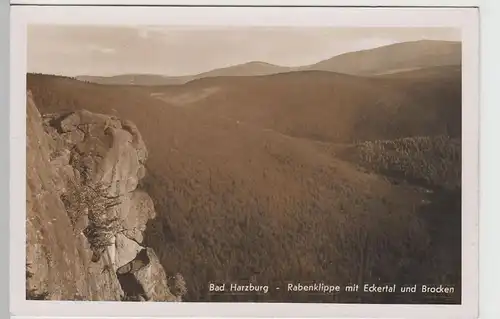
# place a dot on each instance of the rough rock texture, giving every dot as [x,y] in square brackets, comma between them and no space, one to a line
[145,277]
[66,151]
[136,210]
[126,250]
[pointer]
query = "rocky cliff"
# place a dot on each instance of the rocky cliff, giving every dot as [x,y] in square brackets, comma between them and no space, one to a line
[85,213]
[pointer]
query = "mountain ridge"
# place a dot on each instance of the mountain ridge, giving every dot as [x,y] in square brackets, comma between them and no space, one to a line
[363,62]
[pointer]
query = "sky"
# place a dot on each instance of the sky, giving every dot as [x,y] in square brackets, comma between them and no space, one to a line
[176,51]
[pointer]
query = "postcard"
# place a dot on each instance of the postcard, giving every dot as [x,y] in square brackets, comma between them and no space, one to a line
[175,161]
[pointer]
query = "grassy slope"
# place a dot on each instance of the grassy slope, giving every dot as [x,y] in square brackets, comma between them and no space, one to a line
[244,192]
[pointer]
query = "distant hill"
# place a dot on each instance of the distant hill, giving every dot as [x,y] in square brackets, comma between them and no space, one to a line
[246,69]
[130,79]
[393,58]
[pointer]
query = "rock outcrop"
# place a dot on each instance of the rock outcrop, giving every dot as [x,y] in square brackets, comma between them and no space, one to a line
[85,215]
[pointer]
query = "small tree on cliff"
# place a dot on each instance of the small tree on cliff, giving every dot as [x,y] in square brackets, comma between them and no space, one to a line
[92,200]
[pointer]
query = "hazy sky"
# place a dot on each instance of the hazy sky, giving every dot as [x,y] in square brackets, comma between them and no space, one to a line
[94,50]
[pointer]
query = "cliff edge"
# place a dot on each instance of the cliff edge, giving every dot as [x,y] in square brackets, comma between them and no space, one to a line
[85,215]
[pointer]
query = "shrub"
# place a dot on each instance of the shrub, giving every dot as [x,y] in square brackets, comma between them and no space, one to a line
[178,287]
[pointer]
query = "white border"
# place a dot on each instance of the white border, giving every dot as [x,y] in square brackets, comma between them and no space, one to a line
[489,159]
[466,19]
[397,3]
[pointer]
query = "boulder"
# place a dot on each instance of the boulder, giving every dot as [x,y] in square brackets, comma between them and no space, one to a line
[108,151]
[126,250]
[153,279]
[135,210]
[144,276]
[120,164]
[69,123]
[73,137]
[137,141]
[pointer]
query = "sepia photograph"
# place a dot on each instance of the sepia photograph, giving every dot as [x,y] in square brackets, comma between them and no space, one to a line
[163,163]
[245,163]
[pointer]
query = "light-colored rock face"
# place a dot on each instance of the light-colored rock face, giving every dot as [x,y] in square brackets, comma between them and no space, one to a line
[83,148]
[153,279]
[105,149]
[58,259]
[135,210]
[126,250]
[146,276]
